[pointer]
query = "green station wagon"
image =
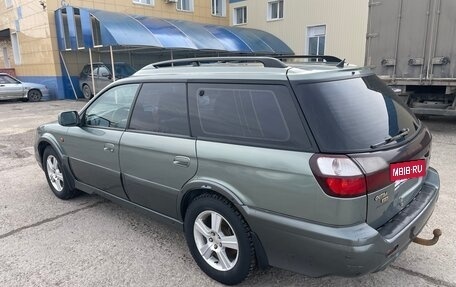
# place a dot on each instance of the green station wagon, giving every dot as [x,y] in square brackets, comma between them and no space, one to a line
[311,166]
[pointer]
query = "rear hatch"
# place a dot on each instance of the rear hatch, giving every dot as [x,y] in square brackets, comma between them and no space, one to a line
[362,119]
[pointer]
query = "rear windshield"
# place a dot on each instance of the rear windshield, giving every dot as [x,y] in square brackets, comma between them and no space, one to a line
[354,114]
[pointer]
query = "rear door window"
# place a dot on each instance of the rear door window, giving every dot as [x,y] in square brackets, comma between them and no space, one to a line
[161,108]
[354,114]
[252,114]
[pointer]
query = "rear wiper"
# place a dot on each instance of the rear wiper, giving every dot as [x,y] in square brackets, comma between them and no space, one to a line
[402,133]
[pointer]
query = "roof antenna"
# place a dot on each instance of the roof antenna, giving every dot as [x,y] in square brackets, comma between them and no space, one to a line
[341,64]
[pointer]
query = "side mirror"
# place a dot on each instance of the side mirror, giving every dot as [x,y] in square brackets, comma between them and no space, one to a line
[68,119]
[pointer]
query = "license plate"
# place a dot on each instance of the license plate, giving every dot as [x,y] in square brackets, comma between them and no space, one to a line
[407,169]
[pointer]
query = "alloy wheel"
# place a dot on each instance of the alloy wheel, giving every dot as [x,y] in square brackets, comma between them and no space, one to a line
[215,240]
[54,173]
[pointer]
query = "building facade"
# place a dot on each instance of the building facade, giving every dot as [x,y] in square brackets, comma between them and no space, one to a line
[315,27]
[28,38]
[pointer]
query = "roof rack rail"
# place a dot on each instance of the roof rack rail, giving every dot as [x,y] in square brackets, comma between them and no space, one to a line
[327,58]
[267,62]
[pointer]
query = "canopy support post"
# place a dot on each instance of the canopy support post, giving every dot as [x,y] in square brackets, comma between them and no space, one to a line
[112,65]
[91,71]
[68,74]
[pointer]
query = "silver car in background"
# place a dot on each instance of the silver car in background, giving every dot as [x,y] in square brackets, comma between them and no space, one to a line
[12,88]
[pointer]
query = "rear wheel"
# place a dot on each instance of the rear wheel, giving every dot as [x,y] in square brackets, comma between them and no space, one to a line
[55,175]
[86,91]
[219,239]
[34,95]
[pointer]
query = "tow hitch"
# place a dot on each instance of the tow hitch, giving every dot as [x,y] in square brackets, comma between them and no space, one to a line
[429,242]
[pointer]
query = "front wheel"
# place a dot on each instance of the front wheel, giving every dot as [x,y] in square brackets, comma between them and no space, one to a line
[34,95]
[219,239]
[55,175]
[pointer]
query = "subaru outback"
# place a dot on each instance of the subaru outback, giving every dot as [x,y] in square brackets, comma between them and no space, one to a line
[315,167]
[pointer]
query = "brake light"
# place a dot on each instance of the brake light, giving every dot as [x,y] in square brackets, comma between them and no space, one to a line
[341,176]
[338,175]
[347,187]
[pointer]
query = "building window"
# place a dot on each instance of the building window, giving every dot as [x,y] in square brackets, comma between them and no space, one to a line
[219,8]
[79,36]
[66,30]
[275,10]
[144,2]
[316,37]
[96,32]
[16,48]
[240,15]
[8,3]
[185,5]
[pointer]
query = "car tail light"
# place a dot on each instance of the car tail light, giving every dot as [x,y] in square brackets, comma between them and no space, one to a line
[341,176]
[338,175]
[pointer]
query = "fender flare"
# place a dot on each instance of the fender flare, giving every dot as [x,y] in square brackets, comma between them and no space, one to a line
[210,186]
[220,188]
[53,142]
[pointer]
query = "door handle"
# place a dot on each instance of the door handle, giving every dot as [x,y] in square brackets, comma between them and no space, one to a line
[109,147]
[181,161]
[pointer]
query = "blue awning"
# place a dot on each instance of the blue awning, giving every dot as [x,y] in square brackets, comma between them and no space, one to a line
[81,28]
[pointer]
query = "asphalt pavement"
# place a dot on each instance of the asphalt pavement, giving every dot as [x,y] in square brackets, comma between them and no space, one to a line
[89,241]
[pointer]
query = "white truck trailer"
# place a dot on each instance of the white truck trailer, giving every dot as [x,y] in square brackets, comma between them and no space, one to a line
[411,44]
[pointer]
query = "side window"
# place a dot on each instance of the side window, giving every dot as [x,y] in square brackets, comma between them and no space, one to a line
[103,72]
[7,80]
[85,70]
[161,108]
[252,114]
[95,71]
[243,113]
[111,109]
[4,80]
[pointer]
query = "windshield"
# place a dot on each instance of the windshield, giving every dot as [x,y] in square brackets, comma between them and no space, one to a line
[354,115]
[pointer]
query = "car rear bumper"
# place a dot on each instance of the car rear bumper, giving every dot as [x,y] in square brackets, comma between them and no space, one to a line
[317,250]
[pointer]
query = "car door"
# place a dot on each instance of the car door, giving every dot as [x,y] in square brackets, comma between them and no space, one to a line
[157,154]
[10,87]
[93,147]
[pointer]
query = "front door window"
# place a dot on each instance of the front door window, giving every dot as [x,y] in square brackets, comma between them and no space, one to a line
[112,108]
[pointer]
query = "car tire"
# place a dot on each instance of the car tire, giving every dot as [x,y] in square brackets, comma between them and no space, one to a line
[86,91]
[34,95]
[55,175]
[214,228]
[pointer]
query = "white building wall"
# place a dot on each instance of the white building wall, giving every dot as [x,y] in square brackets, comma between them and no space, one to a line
[345,20]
